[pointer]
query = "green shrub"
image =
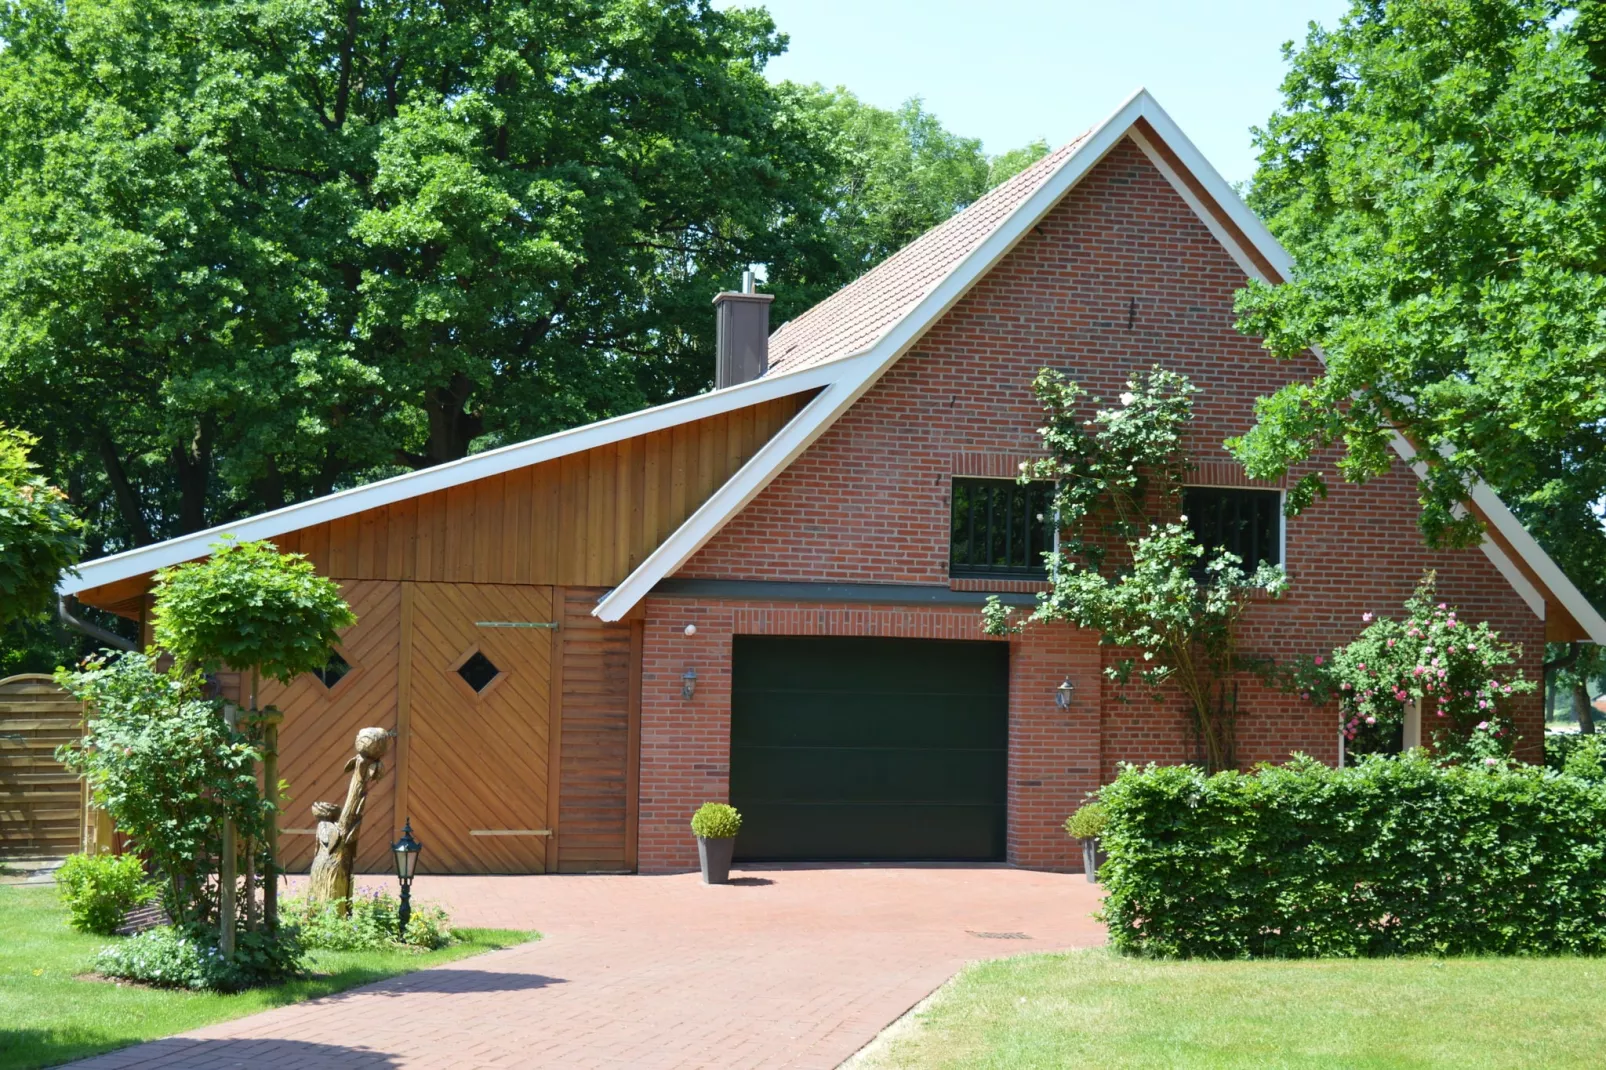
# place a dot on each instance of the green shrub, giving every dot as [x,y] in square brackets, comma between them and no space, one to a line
[1088,822]
[100,890]
[716,821]
[1577,754]
[369,925]
[1392,856]
[173,957]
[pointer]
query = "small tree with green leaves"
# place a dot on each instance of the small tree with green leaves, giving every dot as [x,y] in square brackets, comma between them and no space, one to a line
[1127,565]
[40,538]
[260,612]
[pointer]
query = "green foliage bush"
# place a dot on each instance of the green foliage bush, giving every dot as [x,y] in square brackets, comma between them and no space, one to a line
[160,761]
[1577,754]
[100,890]
[39,535]
[369,925]
[716,821]
[249,607]
[188,957]
[1389,857]
[1088,822]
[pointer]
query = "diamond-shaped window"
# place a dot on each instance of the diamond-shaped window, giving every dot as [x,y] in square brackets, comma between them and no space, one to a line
[478,671]
[332,670]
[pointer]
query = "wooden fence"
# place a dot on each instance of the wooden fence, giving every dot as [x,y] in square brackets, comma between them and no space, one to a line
[41,803]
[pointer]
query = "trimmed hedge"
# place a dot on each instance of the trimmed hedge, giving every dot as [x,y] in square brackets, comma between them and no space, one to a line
[1391,857]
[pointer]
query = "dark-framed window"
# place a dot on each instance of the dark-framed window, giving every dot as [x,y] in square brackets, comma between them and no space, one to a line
[1245,522]
[1001,528]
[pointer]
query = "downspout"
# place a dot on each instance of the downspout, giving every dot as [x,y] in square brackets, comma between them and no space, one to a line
[94,631]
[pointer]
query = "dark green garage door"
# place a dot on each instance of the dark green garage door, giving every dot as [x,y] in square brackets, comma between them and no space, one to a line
[849,748]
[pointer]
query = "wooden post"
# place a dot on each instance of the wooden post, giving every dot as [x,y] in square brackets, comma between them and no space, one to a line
[270,846]
[225,864]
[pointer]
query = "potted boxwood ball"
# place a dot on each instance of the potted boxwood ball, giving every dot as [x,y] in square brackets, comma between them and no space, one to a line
[1087,825]
[716,826]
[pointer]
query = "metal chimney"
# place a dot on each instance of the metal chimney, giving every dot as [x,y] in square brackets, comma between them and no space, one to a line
[742,334]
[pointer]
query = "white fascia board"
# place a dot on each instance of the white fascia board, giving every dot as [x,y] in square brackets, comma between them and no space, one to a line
[859,371]
[145,559]
[1501,517]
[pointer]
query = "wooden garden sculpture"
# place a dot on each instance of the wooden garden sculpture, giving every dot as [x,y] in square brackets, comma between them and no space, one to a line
[330,879]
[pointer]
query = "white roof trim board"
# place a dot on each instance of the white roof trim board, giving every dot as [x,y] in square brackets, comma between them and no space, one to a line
[132,563]
[845,379]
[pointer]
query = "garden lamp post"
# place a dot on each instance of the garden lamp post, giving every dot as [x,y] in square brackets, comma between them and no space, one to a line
[406,851]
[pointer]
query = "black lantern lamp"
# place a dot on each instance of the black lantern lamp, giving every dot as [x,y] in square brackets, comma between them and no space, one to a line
[1063,694]
[406,851]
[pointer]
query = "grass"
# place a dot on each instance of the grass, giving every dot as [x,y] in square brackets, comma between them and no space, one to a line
[48,1016]
[1097,1009]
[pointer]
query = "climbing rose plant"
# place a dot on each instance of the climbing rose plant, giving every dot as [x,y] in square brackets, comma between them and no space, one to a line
[1458,669]
[1119,478]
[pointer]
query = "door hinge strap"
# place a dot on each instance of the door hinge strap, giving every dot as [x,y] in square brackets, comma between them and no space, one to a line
[510,832]
[516,624]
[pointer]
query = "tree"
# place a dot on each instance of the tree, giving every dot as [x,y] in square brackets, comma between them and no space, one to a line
[1438,171]
[40,538]
[1127,566]
[250,608]
[254,250]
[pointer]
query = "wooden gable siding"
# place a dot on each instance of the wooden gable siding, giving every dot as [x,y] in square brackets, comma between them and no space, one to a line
[583,520]
[587,519]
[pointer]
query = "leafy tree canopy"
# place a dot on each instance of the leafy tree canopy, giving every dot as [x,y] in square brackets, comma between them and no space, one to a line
[1438,171]
[249,607]
[40,538]
[256,250]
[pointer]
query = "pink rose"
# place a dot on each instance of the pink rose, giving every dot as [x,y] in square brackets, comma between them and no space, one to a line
[1366,618]
[1391,643]
[1482,725]
[1319,660]
[1371,720]
[1482,705]
[1491,761]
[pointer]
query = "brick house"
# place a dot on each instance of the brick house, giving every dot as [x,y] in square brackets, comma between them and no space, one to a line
[770,592]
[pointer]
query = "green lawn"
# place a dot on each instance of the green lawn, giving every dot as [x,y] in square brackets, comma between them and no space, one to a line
[1096,1009]
[47,1016]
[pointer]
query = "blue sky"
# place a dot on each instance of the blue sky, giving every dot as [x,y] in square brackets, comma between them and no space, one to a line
[1008,71]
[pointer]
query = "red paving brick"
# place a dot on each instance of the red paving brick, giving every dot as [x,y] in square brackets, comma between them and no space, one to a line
[788,966]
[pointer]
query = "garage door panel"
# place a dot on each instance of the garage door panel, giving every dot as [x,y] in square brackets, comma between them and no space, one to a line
[860,832]
[830,717]
[868,747]
[820,774]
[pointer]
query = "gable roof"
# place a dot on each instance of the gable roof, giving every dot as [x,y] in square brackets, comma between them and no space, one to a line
[843,346]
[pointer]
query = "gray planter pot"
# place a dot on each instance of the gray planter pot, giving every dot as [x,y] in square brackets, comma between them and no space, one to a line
[715,856]
[1092,858]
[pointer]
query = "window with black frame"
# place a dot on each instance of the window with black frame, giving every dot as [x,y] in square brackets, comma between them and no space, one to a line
[1001,528]
[1244,522]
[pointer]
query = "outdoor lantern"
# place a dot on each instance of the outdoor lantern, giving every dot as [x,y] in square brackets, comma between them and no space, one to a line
[406,851]
[688,682]
[1063,693]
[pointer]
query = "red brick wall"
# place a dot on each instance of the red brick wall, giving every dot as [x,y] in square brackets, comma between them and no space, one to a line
[869,503]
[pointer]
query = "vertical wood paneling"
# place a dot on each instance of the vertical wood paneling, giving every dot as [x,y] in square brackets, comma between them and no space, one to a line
[587,519]
[593,783]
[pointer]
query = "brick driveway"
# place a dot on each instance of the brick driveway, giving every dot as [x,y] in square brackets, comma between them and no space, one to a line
[787,966]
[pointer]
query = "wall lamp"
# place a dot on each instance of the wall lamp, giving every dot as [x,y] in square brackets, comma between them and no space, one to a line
[1063,694]
[688,682]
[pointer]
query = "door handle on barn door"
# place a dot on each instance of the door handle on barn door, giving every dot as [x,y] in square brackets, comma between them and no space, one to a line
[510,832]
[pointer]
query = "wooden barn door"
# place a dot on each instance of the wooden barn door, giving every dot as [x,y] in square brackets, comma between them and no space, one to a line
[322,715]
[479,683]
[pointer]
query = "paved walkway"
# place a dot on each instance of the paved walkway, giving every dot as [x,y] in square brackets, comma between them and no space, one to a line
[786,966]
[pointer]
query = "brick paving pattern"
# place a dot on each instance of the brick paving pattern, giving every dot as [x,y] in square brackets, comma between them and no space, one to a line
[786,967]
